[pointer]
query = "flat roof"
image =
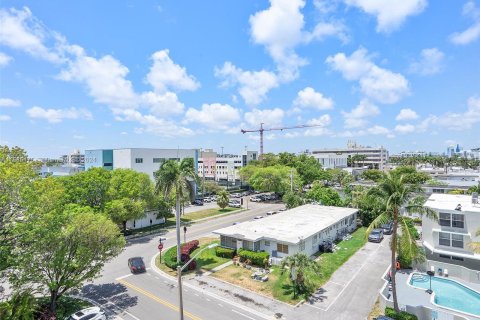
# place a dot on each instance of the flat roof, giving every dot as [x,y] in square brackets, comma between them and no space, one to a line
[290,225]
[450,201]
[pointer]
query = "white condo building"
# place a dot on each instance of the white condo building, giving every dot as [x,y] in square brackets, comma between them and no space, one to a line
[223,167]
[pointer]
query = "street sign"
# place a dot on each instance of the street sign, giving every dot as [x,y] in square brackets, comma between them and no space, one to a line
[160,246]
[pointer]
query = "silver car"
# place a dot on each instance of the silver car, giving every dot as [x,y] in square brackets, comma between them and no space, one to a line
[93,313]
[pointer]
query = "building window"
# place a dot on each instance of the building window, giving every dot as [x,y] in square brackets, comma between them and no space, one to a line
[457,258]
[138,160]
[158,160]
[444,239]
[267,243]
[283,248]
[458,220]
[438,191]
[457,241]
[444,256]
[445,219]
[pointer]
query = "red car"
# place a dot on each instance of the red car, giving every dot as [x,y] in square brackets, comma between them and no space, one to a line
[136,265]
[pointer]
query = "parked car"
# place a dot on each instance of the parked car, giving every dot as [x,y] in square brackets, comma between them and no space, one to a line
[387,227]
[198,202]
[93,313]
[269,213]
[283,209]
[376,235]
[234,204]
[136,265]
[383,318]
[255,199]
[258,217]
[235,223]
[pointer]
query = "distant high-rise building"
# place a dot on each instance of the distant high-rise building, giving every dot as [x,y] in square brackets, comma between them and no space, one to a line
[74,158]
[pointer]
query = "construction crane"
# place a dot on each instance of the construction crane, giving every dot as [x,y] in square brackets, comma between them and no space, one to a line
[261,130]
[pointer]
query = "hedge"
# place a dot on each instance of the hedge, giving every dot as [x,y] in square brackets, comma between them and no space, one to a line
[170,258]
[390,312]
[224,252]
[257,258]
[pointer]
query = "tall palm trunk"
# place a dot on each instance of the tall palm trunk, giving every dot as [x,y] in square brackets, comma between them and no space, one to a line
[394,260]
[177,218]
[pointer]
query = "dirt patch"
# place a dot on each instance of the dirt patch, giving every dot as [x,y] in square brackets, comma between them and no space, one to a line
[241,277]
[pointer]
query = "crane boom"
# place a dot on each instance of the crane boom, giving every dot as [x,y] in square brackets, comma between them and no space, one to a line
[261,130]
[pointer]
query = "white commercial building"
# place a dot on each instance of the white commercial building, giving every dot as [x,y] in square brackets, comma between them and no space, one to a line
[146,160]
[331,160]
[301,229]
[218,167]
[375,157]
[447,240]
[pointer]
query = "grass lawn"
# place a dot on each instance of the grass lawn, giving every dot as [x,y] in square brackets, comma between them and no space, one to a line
[279,285]
[205,213]
[206,261]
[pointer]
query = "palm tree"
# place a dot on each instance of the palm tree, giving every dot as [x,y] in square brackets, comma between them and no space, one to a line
[475,246]
[301,265]
[397,194]
[179,178]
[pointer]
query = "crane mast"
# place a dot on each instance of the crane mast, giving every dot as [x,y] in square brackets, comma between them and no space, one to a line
[262,130]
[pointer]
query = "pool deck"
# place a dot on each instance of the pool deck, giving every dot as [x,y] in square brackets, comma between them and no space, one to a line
[414,297]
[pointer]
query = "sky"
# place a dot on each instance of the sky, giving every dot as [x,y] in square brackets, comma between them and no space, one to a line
[191,74]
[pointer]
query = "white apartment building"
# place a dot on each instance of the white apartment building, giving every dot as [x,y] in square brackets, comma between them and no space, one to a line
[376,157]
[74,158]
[331,160]
[446,241]
[218,167]
[146,160]
[301,229]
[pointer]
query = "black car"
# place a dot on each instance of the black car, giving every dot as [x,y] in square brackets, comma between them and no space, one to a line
[136,265]
[387,228]
[383,318]
[198,202]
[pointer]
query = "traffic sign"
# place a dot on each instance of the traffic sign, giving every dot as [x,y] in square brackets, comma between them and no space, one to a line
[160,246]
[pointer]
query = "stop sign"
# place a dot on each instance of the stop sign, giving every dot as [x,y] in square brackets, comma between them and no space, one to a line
[160,246]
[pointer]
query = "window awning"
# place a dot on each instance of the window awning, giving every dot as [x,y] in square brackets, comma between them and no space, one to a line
[451,253]
[453,232]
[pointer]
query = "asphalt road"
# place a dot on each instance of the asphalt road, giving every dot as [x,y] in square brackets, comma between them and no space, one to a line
[151,296]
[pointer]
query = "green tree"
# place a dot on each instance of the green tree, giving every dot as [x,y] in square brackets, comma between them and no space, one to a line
[177,178]
[309,169]
[395,194]
[274,178]
[293,199]
[303,269]
[475,246]
[373,175]
[410,175]
[356,159]
[130,193]
[474,189]
[61,248]
[327,196]
[211,187]
[222,199]
[339,176]
[22,305]
[16,174]
[89,188]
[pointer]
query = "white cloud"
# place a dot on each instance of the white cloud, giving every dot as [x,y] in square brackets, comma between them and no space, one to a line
[473,32]
[78,137]
[377,83]
[21,31]
[6,102]
[215,116]
[404,128]
[456,120]
[431,62]
[104,78]
[322,121]
[376,130]
[356,117]
[309,98]
[166,75]
[253,86]
[4,59]
[162,104]
[406,114]
[390,15]
[4,117]
[58,115]
[269,117]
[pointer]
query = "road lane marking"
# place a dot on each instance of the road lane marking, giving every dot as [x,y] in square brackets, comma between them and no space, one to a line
[243,314]
[157,299]
[220,305]
[125,276]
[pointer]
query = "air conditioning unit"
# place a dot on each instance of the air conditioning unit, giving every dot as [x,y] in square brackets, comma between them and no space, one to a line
[475,197]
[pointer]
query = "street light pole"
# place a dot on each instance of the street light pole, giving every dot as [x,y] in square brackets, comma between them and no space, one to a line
[179,276]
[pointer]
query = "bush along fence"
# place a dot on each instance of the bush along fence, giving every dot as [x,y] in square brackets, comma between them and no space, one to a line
[225,252]
[186,249]
[256,258]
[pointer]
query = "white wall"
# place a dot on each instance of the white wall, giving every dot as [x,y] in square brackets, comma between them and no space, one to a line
[145,221]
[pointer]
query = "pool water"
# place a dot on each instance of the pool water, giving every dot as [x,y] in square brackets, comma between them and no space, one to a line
[449,294]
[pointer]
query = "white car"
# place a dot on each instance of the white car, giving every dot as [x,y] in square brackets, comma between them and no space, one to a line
[269,213]
[258,217]
[93,313]
[255,199]
[234,204]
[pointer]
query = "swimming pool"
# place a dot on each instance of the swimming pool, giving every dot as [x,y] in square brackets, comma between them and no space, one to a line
[449,294]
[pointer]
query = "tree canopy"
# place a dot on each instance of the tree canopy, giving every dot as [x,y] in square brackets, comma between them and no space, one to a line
[326,196]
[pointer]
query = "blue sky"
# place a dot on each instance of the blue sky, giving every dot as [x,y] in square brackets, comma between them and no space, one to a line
[191,74]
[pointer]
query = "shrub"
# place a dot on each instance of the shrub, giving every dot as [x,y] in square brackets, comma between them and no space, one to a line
[170,258]
[256,258]
[189,247]
[224,252]
[389,312]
